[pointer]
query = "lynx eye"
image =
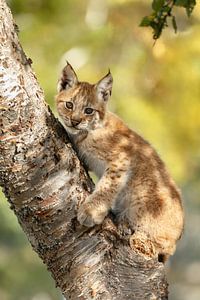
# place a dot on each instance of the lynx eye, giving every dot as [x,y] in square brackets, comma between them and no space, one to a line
[69,105]
[88,110]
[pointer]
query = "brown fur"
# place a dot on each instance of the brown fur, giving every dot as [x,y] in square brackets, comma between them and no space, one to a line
[134,182]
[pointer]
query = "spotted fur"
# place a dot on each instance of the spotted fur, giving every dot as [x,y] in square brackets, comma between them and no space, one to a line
[134,182]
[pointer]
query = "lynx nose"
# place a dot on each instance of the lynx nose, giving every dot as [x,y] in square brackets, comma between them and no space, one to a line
[75,122]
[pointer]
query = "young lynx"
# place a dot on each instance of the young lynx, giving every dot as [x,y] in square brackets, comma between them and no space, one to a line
[134,183]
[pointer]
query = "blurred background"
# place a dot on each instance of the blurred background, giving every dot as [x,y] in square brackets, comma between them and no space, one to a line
[156,91]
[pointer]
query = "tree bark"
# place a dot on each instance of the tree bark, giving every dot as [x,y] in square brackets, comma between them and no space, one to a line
[45,183]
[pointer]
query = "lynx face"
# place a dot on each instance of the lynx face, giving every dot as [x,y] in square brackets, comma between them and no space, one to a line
[82,105]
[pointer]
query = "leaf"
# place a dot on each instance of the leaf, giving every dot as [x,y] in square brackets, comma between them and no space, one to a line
[187,4]
[183,3]
[166,9]
[157,4]
[146,21]
[189,9]
[174,24]
[158,28]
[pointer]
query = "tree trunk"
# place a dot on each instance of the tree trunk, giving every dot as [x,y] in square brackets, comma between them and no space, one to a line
[45,183]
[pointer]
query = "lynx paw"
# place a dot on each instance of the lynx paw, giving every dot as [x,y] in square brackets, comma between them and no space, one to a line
[89,214]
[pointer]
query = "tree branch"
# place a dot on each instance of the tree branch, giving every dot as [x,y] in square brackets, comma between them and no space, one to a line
[45,183]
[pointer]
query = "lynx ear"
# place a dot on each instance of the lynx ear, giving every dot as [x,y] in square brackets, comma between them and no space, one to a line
[104,87]
[68,78]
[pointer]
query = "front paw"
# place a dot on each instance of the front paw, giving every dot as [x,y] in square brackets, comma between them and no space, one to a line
[89,215]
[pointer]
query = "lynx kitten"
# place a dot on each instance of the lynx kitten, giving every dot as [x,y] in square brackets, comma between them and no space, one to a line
[133,181]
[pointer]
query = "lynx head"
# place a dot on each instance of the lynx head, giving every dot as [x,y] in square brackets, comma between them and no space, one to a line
[81,105]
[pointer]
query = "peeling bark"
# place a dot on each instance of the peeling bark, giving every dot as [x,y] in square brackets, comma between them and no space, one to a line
[45,182]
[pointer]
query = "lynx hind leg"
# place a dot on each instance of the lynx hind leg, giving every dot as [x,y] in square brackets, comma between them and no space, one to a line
[166,249]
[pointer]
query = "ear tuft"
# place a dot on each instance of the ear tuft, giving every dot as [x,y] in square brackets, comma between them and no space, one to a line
[68,78]
[104,87]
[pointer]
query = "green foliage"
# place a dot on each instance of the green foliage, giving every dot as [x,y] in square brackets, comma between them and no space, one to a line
[162,11]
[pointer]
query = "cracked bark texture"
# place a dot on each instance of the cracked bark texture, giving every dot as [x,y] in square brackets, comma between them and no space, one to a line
[44,183]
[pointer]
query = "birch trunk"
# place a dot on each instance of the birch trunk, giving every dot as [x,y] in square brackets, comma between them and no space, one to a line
[44,183]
